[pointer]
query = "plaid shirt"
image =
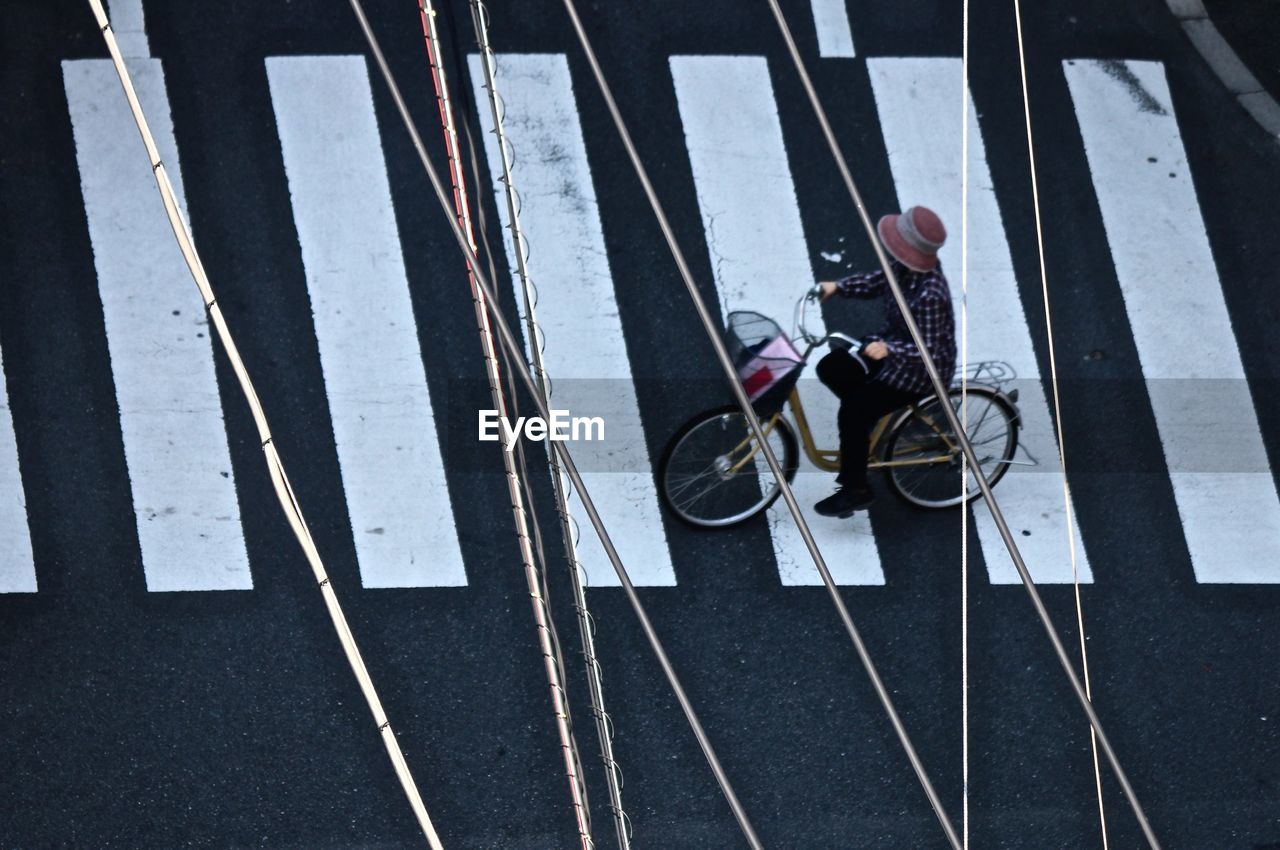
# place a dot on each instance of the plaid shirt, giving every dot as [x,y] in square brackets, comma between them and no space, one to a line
[930,302]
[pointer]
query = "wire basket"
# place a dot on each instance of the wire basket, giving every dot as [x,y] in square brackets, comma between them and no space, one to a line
[768,365]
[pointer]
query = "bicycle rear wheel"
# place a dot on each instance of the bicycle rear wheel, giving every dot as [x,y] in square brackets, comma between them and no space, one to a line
[923,457]
[712,473]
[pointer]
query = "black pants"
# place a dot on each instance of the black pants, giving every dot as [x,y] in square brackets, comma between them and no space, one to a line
[862,403]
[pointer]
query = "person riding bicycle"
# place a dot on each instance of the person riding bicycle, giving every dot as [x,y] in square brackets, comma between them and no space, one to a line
[888,372]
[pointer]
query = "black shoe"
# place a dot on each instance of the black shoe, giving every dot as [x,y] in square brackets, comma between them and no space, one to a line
[845,502]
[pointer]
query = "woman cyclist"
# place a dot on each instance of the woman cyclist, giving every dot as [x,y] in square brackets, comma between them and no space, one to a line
[888,372]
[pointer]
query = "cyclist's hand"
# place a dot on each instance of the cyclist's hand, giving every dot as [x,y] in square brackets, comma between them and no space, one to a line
[828,288]
[876,350]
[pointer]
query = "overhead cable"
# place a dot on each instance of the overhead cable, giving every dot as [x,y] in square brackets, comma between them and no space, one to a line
[1057,419]
[535,524]
[512,345]
[964,421]
[284,492]
[559,481]
[550,653]
[996,514]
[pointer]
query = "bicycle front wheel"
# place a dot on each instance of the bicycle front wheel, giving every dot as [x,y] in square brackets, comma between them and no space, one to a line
[923,456]
[713,474]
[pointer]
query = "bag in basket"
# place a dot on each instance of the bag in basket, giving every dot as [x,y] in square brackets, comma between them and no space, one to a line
[776,359]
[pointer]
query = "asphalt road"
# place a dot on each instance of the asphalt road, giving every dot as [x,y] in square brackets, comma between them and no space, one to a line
[230,719]
[1249,27]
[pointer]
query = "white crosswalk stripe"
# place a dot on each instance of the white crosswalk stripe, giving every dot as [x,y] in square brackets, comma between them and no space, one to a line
[754,236]
[129,24]
[577,308]
[175,441]
[918,100]
[1204,412]
[835,35]
[17,568]
[402,518]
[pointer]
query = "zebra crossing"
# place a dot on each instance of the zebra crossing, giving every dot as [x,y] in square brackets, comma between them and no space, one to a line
[402,514]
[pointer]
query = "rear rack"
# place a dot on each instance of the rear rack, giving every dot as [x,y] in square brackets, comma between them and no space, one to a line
[999,374]
[996,373]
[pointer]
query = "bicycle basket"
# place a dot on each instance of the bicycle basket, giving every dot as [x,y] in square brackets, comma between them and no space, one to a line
[768,365]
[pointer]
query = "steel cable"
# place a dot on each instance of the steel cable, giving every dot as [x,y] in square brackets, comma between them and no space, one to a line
[512,345]
[535,523]
[996,514]
[522,253]
[964,416]
[275,467]
[525,479]
[516,482]
[1057,413]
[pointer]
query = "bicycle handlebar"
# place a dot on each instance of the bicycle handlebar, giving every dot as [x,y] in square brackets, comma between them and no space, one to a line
[813,295]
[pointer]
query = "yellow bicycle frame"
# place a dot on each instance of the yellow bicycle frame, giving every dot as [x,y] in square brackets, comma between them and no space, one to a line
[829,459]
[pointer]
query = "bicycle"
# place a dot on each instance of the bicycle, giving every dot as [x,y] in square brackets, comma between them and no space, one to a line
[712,473]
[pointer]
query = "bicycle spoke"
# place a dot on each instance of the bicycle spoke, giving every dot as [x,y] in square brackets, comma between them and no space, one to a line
[924,458]
[712,475]
[692,479]
[990,439]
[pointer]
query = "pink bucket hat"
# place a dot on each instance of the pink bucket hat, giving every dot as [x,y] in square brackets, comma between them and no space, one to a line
[913,237]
